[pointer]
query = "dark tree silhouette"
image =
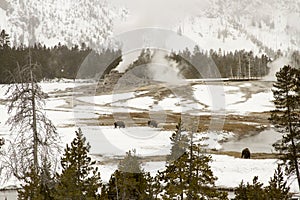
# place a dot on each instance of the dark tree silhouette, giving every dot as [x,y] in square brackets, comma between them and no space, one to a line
[286,117]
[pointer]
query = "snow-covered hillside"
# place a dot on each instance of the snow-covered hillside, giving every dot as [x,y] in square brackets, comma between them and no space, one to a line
[252,25]
[3,7]
[260,26]
[66,21]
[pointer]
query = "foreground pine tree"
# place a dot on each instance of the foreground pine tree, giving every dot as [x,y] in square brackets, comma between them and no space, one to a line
[189,175]
[79,178]
[38,185]
[252,191]
[179,143]
[286,118]
[175,178]
[154,187]
[277,188]
[174,175]
[4,40]
[129,181]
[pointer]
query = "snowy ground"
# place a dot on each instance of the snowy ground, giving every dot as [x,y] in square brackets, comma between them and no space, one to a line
[230,171]
[236,98]
[67,113]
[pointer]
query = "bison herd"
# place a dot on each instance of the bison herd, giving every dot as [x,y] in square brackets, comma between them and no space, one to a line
[152,123]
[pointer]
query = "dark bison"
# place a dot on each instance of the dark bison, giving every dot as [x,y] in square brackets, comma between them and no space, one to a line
[246,153]
[2,142]
[152,123]
[119,124]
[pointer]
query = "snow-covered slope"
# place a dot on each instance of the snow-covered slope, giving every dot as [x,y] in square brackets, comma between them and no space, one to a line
[252,25]
[3,7]
[66,21]
[260,26]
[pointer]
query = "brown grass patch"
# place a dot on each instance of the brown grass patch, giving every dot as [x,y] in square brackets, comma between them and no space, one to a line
[238,124]
[161,158]
[253,155]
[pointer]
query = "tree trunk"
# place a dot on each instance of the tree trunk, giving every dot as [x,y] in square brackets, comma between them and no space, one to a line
[295,160]
[34,126]
[117,191]
[291,132]
[189,196]
[181,182]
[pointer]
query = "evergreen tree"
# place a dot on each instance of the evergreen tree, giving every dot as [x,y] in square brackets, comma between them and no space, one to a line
[79,178]
[201,179]
[295,59]
[31,190]
[286,117]
[179,143]
[4,40]
[154,187]
[59,61]
[173,175]
[104,192]
[252,191]
[190,174]
[230,65]
[175,178]
[38,185]
[129,181]
[277,188]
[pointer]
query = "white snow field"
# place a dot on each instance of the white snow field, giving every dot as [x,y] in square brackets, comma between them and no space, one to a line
[230,171]
[68,113]
[237,99]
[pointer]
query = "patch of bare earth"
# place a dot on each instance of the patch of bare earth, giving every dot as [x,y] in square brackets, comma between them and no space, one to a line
[162,158]
[239,124]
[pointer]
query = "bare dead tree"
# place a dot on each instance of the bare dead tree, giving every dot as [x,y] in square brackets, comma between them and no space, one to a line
[34,137]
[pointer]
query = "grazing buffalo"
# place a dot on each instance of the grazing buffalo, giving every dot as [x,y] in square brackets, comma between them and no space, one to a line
[246,153]
[152,123]
[119,124]
[2,142]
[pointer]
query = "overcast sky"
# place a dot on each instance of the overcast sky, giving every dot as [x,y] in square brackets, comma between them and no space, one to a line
[156,13]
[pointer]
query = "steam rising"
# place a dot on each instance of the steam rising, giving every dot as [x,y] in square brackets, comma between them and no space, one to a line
[164,70]
[275,67]
[158,69]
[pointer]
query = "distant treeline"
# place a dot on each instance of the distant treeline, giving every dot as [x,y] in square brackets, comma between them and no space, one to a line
[58,61]
[237,64]
[81,62]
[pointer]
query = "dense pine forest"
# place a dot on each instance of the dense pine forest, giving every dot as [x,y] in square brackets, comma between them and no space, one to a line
[238,64]
[59,61]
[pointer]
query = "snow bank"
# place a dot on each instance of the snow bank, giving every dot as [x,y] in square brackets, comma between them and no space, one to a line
[107,99]
[230,171]
[233,98]
[111,141]
[139,103]
[259,102]
[213,139]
